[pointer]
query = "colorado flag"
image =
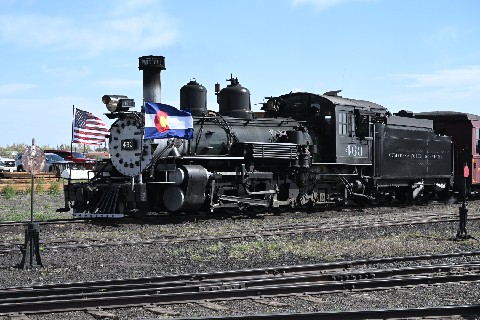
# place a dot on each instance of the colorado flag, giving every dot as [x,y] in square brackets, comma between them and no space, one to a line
[164,121]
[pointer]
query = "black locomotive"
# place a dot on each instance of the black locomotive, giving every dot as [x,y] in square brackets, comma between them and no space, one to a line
[304,149]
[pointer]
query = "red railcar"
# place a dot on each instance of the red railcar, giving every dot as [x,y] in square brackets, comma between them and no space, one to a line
[464,128]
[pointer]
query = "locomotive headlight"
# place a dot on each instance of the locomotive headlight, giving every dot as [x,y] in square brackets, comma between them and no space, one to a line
[117,103]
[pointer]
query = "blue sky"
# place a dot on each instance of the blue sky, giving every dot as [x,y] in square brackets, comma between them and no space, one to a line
[419,55]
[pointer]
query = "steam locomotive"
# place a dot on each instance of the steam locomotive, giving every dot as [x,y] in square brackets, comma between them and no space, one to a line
[304,149]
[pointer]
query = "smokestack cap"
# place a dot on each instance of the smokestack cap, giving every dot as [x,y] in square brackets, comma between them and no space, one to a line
[151,62]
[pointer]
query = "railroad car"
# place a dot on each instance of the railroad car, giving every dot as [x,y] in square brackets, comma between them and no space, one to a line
[464,129]
[304,149]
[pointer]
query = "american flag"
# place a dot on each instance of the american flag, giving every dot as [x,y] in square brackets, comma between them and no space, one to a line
[88,129]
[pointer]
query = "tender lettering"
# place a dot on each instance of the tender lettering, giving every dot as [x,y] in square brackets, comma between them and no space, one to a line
[420,156]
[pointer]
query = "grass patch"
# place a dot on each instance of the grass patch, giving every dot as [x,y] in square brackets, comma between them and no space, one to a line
[274,248]
[287,248]
[9,192]
[39,185]
[216,248]
[54,189]
[25,216]
[15,216]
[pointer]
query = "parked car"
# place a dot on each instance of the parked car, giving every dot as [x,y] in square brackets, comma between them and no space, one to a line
[7,165]
[55,163]
[75,157]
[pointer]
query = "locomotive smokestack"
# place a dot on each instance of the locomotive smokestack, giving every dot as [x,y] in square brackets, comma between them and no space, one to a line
[151,66]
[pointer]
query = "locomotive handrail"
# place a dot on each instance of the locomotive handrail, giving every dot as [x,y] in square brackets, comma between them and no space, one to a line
[341,163]
[226,157]
[152,163]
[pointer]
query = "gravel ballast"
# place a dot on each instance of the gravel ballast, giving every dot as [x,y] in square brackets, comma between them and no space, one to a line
[131,261]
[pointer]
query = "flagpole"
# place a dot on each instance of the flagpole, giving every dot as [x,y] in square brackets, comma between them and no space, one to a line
[71,143]
[141,143]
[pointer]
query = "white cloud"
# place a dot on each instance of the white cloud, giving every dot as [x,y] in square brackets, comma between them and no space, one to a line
[15,88]
[465,77]
[121,83]
[126,7]
[446,34]
[324,4]
[129,26]
[441,89]
[65,72]
[36,30]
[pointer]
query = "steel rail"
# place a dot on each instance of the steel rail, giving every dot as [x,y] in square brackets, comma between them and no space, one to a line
[240,280]
[139,299]
[166,293]
[162,218]
[445,311]
[257,272]
[367,221]
[44,222]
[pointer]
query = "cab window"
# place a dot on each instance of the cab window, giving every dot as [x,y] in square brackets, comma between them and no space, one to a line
[327,124]
[362,126]
[343,123]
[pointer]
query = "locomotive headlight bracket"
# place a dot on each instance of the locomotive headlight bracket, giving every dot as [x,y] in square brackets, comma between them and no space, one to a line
[117,103]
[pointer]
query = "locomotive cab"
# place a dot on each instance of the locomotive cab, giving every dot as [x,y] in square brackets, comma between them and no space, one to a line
[353,136]
[341,127]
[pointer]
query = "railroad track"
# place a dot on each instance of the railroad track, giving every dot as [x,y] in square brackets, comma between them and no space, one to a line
[265,231]
[354,221]
[442,311]
[44,223]
[168,218]
[298,281]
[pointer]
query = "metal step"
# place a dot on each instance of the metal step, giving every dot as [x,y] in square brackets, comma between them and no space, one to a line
[88,215]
